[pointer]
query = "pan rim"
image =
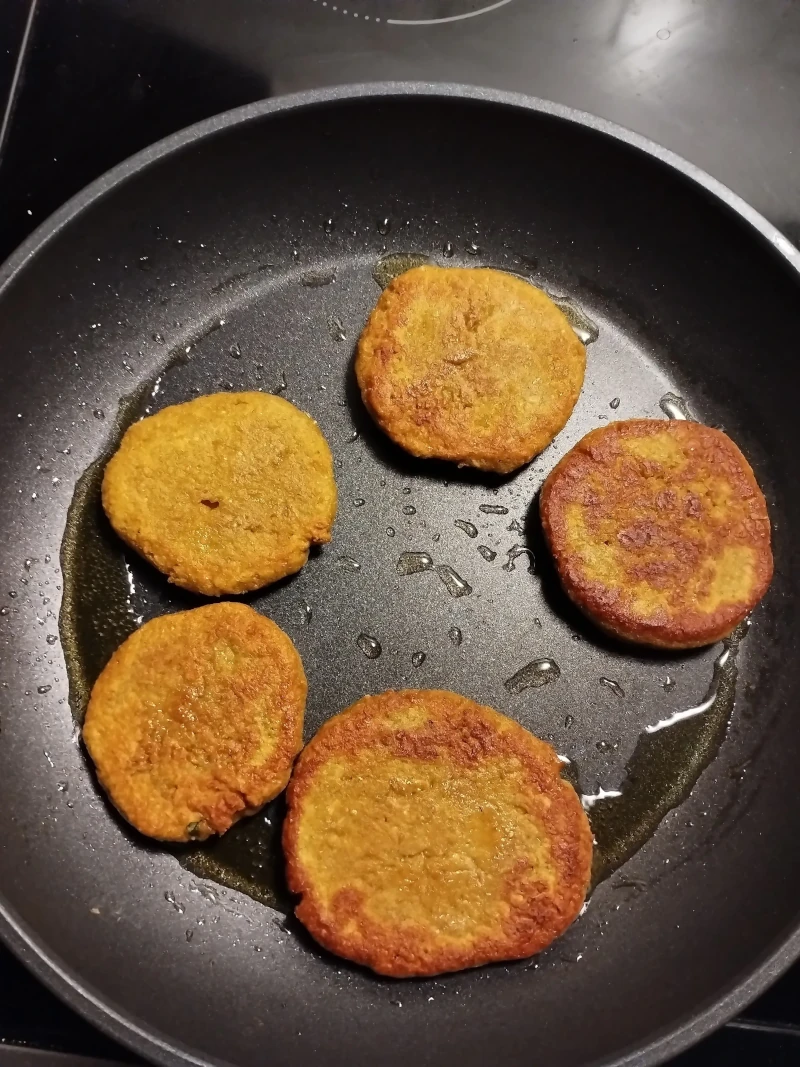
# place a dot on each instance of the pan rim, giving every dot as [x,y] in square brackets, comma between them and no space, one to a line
[93,1006]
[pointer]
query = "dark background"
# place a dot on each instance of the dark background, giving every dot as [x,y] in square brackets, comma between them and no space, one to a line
[85,83]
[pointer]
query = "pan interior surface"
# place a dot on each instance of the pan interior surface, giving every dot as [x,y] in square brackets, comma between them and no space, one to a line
[250,260]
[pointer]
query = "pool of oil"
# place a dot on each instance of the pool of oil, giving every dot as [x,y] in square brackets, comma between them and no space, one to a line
[98,613]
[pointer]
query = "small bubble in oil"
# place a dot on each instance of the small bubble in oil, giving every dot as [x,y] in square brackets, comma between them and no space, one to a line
[390,531]
[469,528]
[614,403]
[409,509]
[534,675]
[51,638]
[414,563]
[359,502]
[615,687]
[514,554]
[418,659]
[348,563]
[99,413]
[384,226]
[488,554]
[336,329]
[447,250]
[329,226]
[370,646]
[452,581]
[668,684]
[281,386]
[569,721]
[472,249]
[515,526]
[235,351]
[455,635]
[42,689]
[674,407]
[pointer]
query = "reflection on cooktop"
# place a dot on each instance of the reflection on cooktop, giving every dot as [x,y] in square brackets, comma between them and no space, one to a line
[411,12]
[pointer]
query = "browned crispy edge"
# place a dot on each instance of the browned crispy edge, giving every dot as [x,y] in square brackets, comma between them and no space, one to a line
[467,731]
[690,629]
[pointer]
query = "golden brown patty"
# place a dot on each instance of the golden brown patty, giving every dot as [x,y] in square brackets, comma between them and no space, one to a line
[223,494]
[659,531]
[474,366]
[426,833]
[196,720]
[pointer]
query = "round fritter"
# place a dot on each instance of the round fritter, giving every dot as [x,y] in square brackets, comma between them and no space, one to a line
[470,365]
[196,720]
[223,494]
[659,531]
[426,833]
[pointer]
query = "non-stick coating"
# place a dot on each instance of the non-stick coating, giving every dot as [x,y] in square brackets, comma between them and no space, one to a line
[692,292]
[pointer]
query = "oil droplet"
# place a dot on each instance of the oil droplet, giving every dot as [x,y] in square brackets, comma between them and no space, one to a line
[674,407]
[62,787]
[606,746]
[3,611]
[409,509]
[235,351]
[390,267]
[99,413]
[469,529]
[515,527]
[336,329]
[354,436]
[329,226]
[170,899]
[370,646]
[472,249]
[281,386]
[158,338]
[316,279]
[307,612]
[42,689]
[455,635]
[493,509]
[418,659]
[668,684]
[453,582]
[590,799]
[447,250]
[514,554]
[663,34]
[585,329]
[189,935]
[614,403]
[359,502]
[569,721]
[348,563]
[615,687]
[51,638]
[384,226]
[406,490]
[390,531]
[487,553]
[534,675]
[414,563]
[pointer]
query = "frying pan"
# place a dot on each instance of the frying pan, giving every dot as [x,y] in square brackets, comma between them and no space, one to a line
[240,254]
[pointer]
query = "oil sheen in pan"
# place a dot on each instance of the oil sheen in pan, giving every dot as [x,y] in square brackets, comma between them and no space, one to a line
[98,613]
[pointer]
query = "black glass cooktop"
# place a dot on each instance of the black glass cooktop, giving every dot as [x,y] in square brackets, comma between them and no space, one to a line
[85,83]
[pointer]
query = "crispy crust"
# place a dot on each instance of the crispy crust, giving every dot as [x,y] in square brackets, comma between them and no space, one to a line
[469,365]
[465,847]
[225,493]
[196,720]
[659,531]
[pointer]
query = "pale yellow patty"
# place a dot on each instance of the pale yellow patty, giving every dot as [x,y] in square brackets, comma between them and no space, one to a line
[196,720]
[469,365]
[659,531]
[426,833]
[225,493]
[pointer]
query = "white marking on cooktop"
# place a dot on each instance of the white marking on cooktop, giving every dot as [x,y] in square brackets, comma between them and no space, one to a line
[449,18]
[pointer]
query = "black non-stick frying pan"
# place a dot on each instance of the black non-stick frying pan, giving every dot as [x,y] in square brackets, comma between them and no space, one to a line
[242,254]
